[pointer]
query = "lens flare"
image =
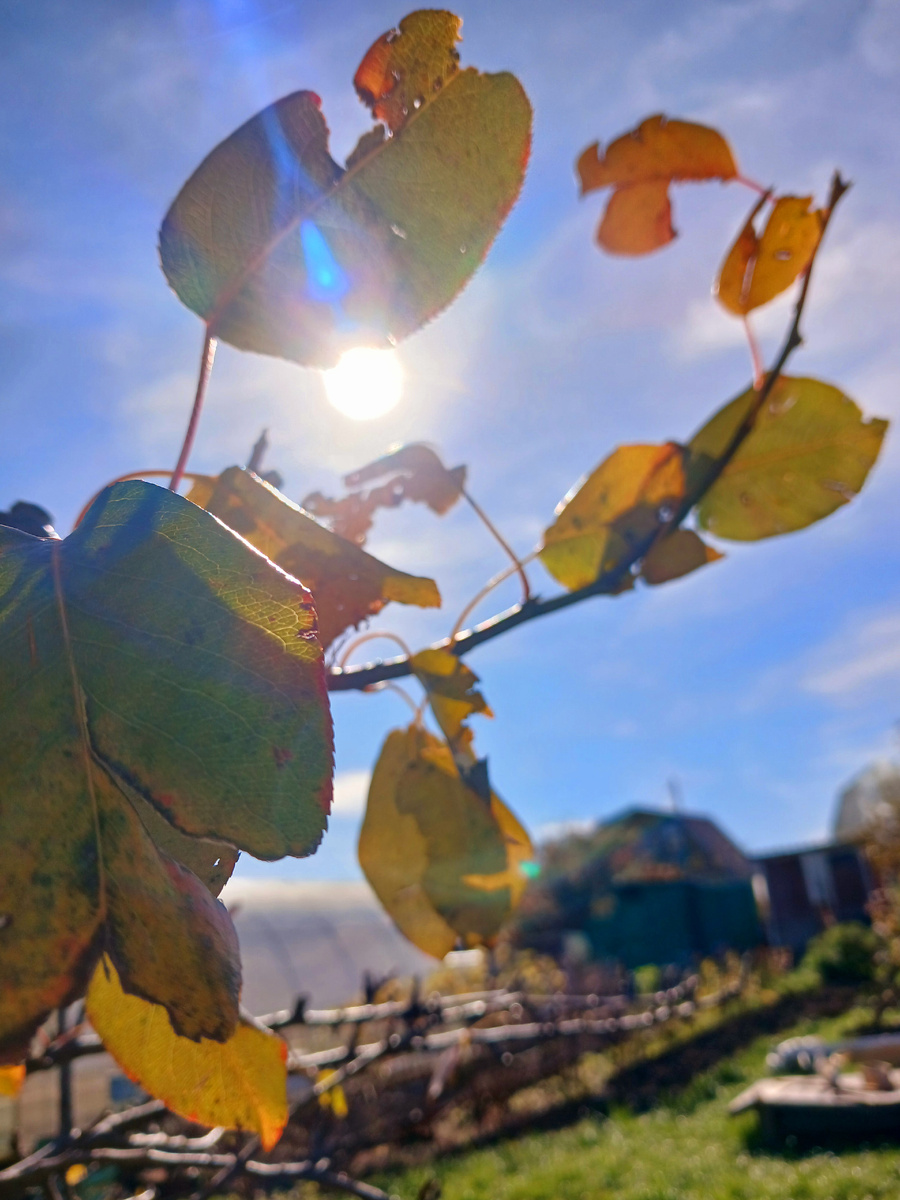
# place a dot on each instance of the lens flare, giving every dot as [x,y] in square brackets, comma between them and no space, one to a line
[365,384]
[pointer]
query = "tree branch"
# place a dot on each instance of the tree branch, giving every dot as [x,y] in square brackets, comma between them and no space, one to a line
[611,581]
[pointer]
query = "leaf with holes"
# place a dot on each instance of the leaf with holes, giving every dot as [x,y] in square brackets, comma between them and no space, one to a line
[240,1083]
[445,865]
[348,585]
[415,473]
[809,452]
[157,671]
[677,554]
[759,267]
[282,251]
[613,512]
[639,166]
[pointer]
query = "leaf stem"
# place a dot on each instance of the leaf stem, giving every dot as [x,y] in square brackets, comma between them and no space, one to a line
[752,184]
[487,589]
[207,358]
[386,686]
[370,637]
[756,358]
[607,584]
[492,528]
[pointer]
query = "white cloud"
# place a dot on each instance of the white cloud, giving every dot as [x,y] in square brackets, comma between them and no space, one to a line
[350,791]
[865,659]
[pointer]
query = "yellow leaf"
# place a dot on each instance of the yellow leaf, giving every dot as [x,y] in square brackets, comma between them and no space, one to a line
[809,452]
[677,554]
[424,834]
[347,584]
[451,689]
[335,1097]
[240,1083]
[11,1080]
[759,268]
[519,855]
[612,512]
[76,1174]
[640,165]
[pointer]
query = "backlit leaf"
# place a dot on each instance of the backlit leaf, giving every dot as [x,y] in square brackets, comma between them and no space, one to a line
[640,165]
[348,585]
[240,1083]
[444,864]
[612,512]
[150,653]
[809,452]
[451,689]
[677,554]
[283,252]
[758,268]
[415,473]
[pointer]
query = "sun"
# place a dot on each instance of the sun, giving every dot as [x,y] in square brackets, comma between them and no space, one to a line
[366,383]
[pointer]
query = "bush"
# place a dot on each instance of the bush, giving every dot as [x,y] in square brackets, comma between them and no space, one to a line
[843,954]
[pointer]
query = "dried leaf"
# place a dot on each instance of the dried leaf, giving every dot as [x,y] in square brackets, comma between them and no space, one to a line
[677,554]
[283,252]
[809,452]
[150,653]
[759,268]
[240,1083]
[416,473]
[640,165]
[348,585]
[424,834]
[612,512]
[451,689]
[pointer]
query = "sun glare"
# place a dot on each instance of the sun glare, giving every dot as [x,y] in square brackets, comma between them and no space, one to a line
[366,383]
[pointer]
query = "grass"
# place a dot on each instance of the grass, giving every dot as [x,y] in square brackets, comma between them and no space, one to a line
[686,1148]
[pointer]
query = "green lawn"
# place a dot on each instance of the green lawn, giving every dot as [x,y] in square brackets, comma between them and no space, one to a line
[687,1148]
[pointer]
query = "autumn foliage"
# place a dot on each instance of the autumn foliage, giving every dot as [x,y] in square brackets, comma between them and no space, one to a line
[166,682]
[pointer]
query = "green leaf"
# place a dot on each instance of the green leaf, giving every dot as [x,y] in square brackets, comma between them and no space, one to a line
[611,512]
[240,1083]
[445,864]
[151,652]
[809,452]
[281,251]
[348,585]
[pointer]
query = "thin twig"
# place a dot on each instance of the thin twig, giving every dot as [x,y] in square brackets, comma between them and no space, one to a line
[495,532]
[207,358]
[357,678]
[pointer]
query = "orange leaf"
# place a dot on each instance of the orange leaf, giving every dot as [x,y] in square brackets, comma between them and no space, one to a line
[410,64]
[638,219]
[11,1080]
[677,554]
[758,268]
[640,165]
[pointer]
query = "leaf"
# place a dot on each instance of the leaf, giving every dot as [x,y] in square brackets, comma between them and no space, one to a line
[283,252]
[151,652]
[809,452]
[451,689]
[677,554]
[416,473]
[348,585]
[640,165]
[757,269]
[11,1080]
[424,835]
[240,1083]
[612,512]
[335,1098]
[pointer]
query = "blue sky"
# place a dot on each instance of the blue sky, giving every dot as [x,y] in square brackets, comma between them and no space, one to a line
[763,682]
